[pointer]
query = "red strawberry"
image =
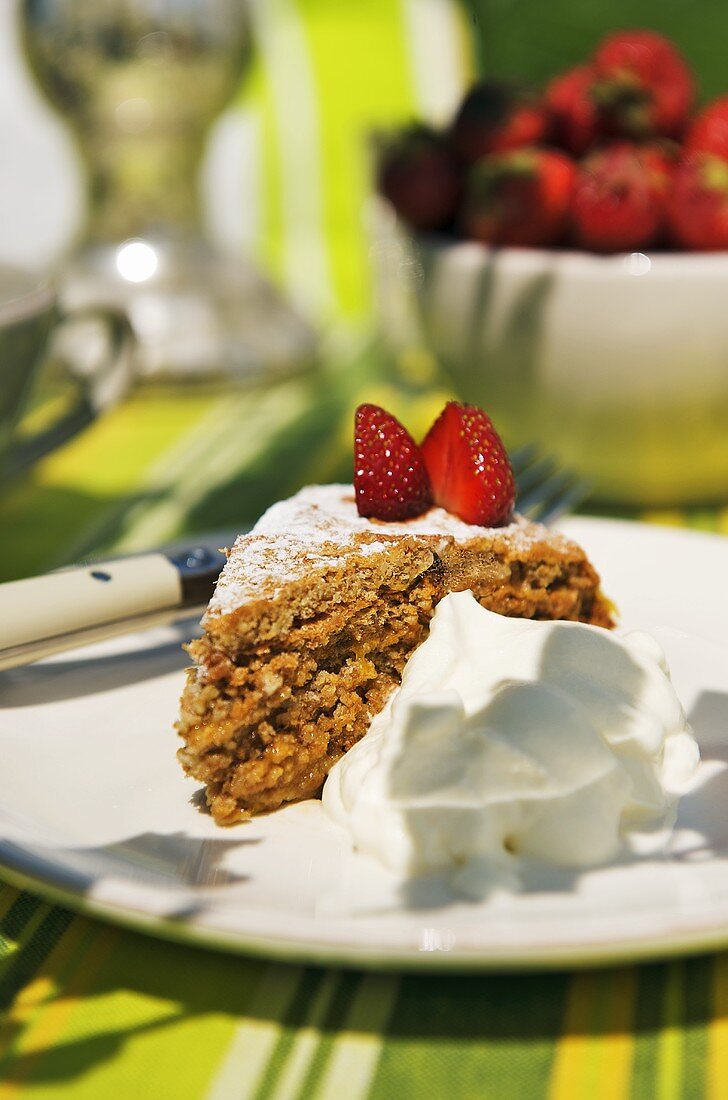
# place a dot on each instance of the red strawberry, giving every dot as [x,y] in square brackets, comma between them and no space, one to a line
[576,120]
[519,198]
[644,84]
[390,479]
[494,118]
[419,176]
[697,207]
[708,133]
[468,466]
[619,199]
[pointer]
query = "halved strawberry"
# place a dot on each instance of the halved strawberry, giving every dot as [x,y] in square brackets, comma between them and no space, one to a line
[470,473]
[390,479]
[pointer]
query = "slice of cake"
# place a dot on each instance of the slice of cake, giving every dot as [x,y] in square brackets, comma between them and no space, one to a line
[314,617]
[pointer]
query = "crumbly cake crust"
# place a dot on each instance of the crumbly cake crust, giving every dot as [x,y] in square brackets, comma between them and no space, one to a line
[313,619]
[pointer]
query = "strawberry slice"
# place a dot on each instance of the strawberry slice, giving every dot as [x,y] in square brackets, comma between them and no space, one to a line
[390,479]
[469,470]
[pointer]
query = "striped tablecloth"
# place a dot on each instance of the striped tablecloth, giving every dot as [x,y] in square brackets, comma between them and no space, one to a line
[93,1011]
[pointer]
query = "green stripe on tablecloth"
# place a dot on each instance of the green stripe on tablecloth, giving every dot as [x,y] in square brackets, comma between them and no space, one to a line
[471,1036]
[21,909]
[62,966]
[670,1048]
[248,1053]
[136,1004]
[696,1010]
[300,1036]
[349,1056]
[336,1011]
[41,1013]
[33,950]
[670,1032]
[650,996]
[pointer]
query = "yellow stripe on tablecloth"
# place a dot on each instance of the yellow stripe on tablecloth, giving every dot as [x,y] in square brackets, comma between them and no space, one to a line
[667,517]
[571,1054]
[243,1066]
[359,58]
[717,1076]
[280,33]
[184,456]
[595,1052]
[228,438]
[44,1033]
[358,1046]
[129,437]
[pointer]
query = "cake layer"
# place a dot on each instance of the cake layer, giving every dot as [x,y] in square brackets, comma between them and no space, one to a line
[314,551]
[297,658]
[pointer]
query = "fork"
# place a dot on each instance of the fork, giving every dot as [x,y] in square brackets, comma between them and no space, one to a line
[89,603]
[545,490]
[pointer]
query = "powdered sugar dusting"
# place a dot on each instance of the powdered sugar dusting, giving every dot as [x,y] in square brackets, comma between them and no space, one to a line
[320,526]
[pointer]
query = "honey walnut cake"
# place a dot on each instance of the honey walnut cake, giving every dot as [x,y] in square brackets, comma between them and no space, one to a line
[313,619]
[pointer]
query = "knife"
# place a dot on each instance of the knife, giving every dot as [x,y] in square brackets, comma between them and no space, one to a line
[40,616]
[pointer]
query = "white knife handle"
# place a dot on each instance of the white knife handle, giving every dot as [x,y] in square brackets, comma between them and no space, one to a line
[87,596]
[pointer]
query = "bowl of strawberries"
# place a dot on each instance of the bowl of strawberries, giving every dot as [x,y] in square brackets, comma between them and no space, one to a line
[567,255]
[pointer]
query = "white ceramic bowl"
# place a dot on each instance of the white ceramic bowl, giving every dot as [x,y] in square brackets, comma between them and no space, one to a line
[617,364]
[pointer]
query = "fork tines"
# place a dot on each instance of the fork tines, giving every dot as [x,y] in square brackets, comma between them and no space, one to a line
[544,489]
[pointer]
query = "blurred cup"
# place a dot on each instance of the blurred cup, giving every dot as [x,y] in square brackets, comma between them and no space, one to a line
[95,345]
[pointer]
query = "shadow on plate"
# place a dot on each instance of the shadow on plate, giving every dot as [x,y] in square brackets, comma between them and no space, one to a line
[53,681]
[709,718]
[166,862]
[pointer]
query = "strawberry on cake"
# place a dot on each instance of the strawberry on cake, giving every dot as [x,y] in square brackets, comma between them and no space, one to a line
[318,609]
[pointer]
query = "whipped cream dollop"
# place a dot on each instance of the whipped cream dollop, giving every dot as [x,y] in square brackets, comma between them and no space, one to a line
[512,739]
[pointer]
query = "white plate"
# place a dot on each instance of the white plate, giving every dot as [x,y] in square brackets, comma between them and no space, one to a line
[95,812]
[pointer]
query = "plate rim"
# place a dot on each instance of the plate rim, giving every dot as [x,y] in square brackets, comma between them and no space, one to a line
[367,957]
